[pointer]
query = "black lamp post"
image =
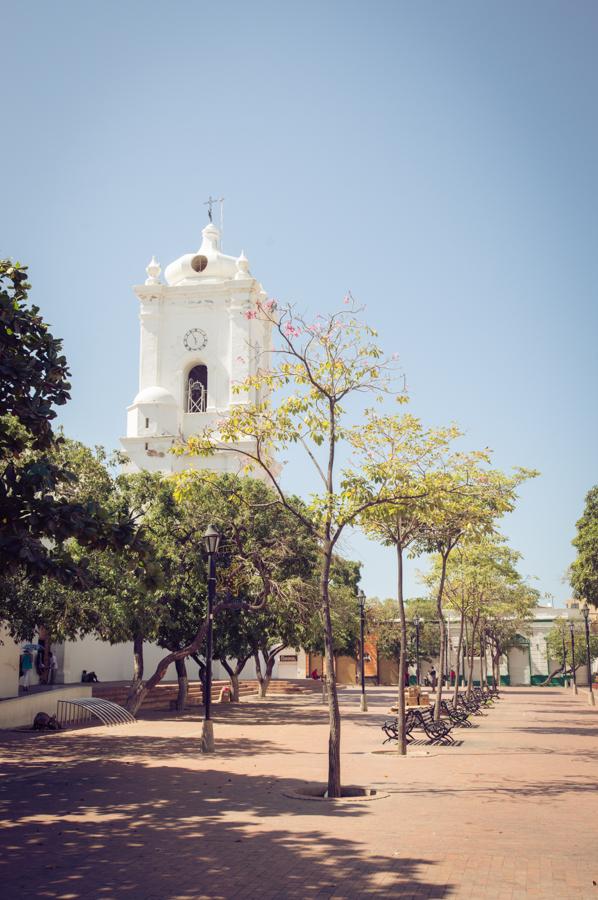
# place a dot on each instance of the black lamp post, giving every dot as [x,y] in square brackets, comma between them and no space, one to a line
[564,656]
[417,675]
[572,632]
[586,614]
[211,542]
[363,702]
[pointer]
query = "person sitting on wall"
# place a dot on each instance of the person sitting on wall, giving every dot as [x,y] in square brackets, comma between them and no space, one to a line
[89,676]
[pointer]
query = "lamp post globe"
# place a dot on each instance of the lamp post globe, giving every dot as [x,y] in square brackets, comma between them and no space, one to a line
[211,542]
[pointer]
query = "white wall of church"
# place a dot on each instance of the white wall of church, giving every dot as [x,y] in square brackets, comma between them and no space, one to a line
[114,662]
[110,662]
[9,665]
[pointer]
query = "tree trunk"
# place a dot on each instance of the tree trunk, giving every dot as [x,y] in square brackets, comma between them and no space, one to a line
[138,657]
[458,667]
[269,655]
[136,696]
[334,718]
[233,675]
[263,680]
[471,660]
[140,690]
[44,634]
[181,670]
[442,636]
[495,657]
[551,676]
[483,679]
[402,741]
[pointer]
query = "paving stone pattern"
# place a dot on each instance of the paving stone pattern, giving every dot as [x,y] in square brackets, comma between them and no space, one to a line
[136,812]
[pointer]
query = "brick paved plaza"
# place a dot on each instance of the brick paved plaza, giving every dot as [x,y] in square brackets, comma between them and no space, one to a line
[135,811]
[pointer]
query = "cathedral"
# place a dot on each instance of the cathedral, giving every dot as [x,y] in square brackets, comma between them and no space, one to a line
[196,341]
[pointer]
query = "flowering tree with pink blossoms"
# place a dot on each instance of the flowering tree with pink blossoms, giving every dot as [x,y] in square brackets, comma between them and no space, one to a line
[312,391]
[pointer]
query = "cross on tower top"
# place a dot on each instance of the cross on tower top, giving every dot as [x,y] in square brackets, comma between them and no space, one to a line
[210,203]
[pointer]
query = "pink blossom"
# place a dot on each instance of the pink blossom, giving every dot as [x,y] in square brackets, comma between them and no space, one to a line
[347,299]
[269,305]
[250,314]
[240,359]
[291,331]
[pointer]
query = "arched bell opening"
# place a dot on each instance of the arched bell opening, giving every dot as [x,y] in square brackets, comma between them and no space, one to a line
[197,390]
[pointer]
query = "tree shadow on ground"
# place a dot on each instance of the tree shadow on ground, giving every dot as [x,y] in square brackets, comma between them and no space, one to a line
[578,731]
[506,788]
[110,828]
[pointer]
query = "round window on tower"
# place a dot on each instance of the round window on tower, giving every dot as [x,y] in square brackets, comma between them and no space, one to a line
[198,263]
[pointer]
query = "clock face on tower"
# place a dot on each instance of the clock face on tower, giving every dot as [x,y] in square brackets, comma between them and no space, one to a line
[195,339]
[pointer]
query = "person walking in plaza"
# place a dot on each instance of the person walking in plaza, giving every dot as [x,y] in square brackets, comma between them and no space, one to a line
[52,669]
[432,675]
[26,668]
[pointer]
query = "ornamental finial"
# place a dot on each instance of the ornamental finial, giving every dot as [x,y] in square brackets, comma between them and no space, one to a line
[153,270]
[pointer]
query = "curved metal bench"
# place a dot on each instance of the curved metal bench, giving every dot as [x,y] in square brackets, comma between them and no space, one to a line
[78,712]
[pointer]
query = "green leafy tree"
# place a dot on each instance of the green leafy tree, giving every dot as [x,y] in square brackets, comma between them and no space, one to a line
[559,646]
[263,561]
[483,586]
[68,608]
[38,512]
[469,498]
[509,613]
[403,456]
[384,624]
[424,609]
[583,573]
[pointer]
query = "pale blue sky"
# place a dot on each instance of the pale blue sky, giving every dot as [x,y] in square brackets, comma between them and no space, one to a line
[438,159]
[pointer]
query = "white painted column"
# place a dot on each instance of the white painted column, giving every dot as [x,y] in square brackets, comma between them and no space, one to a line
[149,317]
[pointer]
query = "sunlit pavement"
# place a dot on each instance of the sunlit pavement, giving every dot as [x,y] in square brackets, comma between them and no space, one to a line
[136,811]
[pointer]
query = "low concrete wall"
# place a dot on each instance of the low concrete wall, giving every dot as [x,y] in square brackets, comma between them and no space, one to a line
[21,711]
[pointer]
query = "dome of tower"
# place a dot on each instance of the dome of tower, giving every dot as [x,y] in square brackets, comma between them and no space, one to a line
[155,394]
[208,264]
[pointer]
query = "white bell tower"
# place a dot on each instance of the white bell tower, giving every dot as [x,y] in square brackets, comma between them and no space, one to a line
[196,342]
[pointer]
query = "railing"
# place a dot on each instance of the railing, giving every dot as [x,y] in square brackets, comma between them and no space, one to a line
[197,397]
[80,712]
